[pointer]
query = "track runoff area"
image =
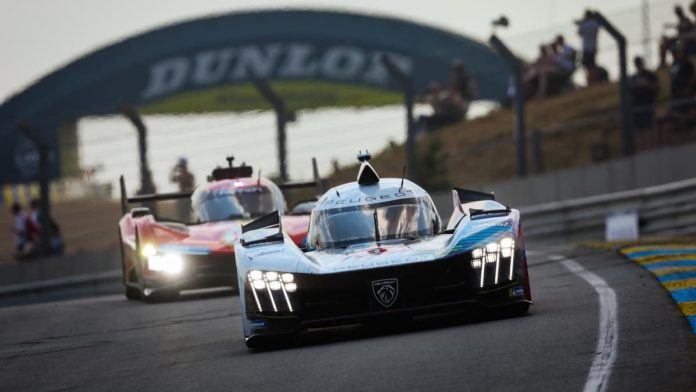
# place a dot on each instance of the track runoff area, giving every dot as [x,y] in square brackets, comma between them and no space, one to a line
[599,323]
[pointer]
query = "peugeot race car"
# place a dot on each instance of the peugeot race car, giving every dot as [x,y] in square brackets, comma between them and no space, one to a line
[161,256]
[376,249]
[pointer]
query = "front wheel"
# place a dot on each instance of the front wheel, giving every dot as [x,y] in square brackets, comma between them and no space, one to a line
[133,293]
[256,342]
[514,310]
[162,295]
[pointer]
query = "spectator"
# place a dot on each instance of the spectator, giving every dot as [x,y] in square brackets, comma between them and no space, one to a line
[182,176]
[684,28]
[36,228]
[682,83]
[463,85]
[588,28]
[680,115]
[447,108]
[20,230]
[34,222]
[538,75]
[644,87]
[565,55]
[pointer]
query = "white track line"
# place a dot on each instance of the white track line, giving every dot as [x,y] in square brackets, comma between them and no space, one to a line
[605,354]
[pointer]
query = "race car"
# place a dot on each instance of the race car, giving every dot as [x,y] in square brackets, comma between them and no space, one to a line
[163,256]
[377,251]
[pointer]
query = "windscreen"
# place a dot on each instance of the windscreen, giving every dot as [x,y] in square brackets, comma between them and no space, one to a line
[410,219]
[239,203]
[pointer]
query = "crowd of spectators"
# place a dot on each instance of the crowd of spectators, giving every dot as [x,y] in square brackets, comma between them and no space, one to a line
[552,71]
[27,229]
[450,103]
[680,114]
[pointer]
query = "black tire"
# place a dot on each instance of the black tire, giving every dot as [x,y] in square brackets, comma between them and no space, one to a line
[162,296]
[132,293]
[267,342]
[515,310]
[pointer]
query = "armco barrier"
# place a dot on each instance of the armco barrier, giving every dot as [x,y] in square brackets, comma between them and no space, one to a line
[668,209]
[54,272]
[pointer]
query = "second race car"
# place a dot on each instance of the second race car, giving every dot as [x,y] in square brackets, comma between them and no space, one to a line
[163,256]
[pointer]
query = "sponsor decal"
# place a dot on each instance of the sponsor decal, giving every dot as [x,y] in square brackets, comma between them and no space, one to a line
[517,291]
[265,252]
[259,324]
[376,251]
[281,61]
[387,196]
[386,291]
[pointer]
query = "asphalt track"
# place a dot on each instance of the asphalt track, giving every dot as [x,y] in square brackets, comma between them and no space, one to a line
[105,342]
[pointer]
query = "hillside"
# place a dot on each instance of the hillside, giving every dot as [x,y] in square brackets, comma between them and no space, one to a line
[577,128]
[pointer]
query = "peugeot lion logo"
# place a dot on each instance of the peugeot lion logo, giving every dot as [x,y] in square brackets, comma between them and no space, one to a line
[386,291]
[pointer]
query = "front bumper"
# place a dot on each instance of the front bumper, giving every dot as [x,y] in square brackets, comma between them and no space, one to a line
[350,297]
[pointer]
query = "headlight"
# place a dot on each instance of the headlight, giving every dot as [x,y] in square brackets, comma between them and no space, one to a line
[494,262]
[270,290]
[149,250]
[169,263]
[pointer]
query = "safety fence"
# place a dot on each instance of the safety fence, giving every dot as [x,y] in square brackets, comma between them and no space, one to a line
[663,210]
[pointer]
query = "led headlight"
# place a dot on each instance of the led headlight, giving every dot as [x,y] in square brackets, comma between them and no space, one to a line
[272,288]
[499,256]
[169,263]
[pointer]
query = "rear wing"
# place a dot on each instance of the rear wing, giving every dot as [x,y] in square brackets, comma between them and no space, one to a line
[125,200]
[462,196]
[266,229]
[317,183]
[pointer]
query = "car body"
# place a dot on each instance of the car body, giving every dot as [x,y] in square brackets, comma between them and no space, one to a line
[161,257]
[350,272]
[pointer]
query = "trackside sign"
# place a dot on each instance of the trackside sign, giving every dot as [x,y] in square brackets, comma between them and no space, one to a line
[297,60]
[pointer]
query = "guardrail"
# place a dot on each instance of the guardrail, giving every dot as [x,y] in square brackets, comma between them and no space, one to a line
[668,209]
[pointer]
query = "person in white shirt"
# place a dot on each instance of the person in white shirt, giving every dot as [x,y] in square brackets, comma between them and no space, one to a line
[565,55]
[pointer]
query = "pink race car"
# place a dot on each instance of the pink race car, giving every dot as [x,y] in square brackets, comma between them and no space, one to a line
[161,257]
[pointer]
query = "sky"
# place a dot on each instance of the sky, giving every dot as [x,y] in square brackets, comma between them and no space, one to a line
[38,36]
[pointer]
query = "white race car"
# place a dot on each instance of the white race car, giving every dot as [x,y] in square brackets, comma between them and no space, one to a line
[376,249]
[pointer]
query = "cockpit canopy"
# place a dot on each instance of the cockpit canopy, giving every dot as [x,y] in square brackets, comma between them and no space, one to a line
[401,219]
[233,199]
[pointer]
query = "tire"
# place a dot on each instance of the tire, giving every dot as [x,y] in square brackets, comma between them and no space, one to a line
[162,296]
[265,342]
[515,310]
[132,293]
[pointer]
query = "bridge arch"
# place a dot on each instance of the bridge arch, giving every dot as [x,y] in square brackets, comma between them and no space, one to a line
[209,63]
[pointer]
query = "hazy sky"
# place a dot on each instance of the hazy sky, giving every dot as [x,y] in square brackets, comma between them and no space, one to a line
[36,36]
